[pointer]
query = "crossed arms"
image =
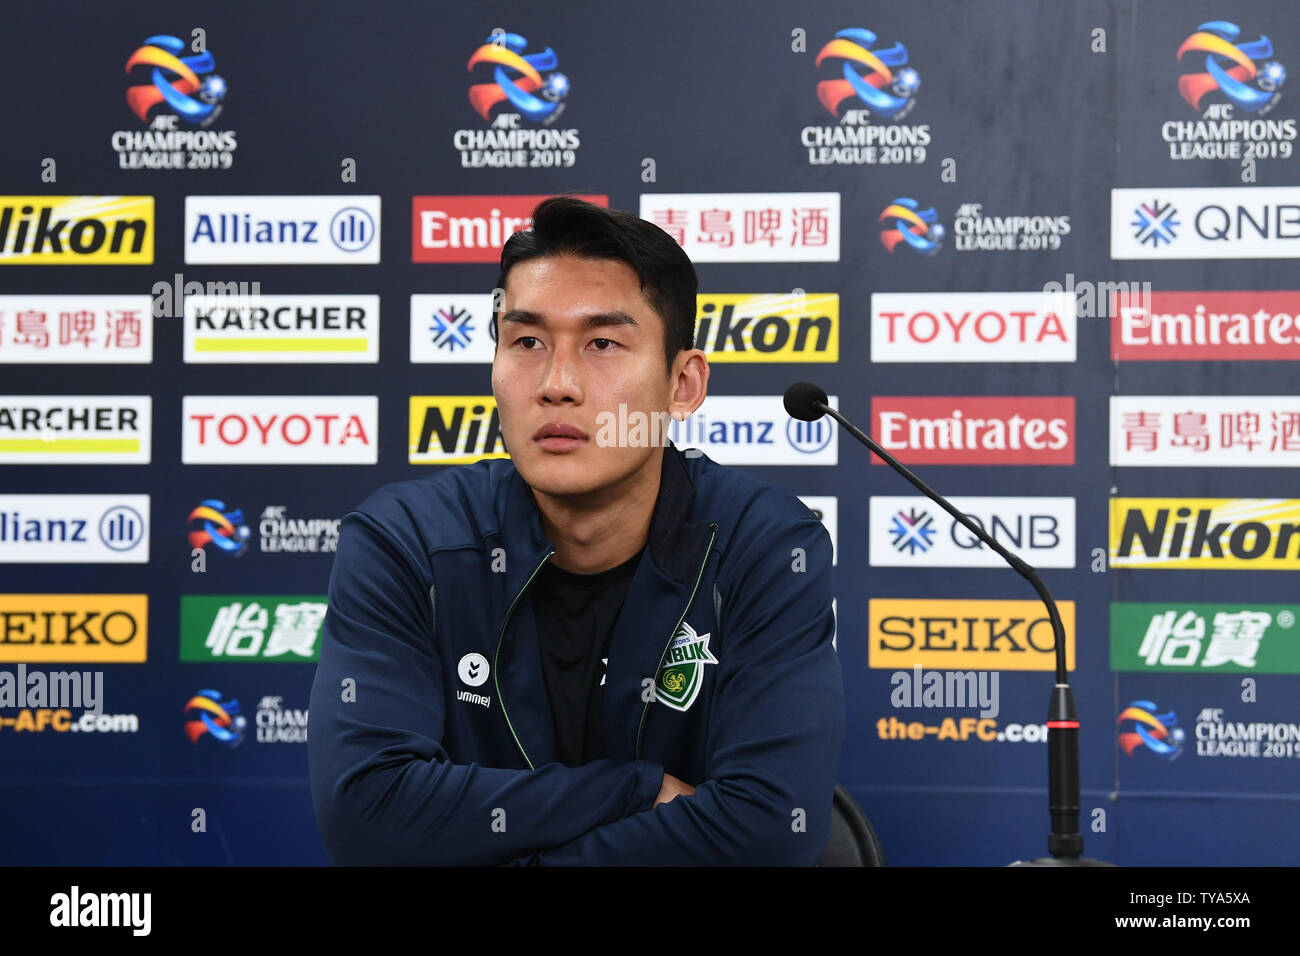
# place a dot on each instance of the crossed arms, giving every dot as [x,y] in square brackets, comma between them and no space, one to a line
[386,792]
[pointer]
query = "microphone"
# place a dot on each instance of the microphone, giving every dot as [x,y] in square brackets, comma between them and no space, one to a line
[808,402]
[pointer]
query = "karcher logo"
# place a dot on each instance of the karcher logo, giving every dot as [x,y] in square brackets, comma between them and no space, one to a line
[769,328]
[966,635]
[454,430]
[76,230]
[1253,533]
[60,628]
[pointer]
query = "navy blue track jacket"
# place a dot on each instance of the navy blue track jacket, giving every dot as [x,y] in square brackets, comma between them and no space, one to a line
[432,740]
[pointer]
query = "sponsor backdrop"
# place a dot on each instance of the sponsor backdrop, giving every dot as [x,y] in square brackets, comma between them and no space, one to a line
[1040,251]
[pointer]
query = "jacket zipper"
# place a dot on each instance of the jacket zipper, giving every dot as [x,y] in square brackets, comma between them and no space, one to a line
[645,711]
[496,671]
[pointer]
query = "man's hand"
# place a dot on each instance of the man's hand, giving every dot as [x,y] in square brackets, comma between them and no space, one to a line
[672,787]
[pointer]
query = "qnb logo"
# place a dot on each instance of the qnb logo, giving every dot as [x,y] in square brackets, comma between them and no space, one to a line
[518,77]
[451,328]
[218,526]
[1231,69]
[907,222]
[912,531]
[121,528]
[208,714]
[808,437]
[1141,726]
[352,229]
[882,91]
[1155,222]
[185,84]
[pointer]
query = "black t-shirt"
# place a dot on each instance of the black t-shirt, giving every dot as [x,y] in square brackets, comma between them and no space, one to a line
[576,614]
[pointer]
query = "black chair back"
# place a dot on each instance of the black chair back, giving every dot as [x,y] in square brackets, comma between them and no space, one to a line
[853,841]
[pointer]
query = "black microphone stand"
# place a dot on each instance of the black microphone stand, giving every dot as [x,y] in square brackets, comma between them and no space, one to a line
[1064,842]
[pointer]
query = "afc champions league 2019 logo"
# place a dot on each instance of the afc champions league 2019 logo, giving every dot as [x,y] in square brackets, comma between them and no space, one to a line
[186,84]
[1231,68]
[1233,87]
[178,95]
[222,527]
[518,78]
[208,714]
[525,96]
[867,91]
[1141,725]
[886,94]
[905,221]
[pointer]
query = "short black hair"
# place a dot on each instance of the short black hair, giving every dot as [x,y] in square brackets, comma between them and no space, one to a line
[567,225]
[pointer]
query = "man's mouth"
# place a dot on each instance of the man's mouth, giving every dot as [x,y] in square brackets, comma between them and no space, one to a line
[558,436]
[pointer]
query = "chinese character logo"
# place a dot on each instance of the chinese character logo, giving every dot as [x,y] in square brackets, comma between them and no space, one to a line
[223,528]
[184,83]
[1231,68]
[919,228]
[207,713]
[1174,640]
[912,531]
[1155,222]
[881,90]
[247,631]
[1141,726]
[518,77]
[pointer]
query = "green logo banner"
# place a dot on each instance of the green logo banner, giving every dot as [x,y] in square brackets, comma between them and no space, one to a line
[251,627]
[1204,638]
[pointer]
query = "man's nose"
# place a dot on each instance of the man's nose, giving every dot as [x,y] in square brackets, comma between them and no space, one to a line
[562,379]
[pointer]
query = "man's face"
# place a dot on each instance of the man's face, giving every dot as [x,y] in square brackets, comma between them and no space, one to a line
[576,339]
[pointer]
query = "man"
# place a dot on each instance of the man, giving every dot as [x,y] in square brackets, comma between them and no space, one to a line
[603,650]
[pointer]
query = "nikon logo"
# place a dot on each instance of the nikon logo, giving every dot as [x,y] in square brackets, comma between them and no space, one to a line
[769,328]
[454,429]
[1256,533]
[76,230]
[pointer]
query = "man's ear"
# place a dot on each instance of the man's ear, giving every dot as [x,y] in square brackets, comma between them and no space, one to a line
[690,383]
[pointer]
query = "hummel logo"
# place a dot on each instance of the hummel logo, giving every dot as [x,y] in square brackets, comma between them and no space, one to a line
[473,669]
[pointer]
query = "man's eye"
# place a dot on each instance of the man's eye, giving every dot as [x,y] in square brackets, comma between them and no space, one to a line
[609,341]
[526,338]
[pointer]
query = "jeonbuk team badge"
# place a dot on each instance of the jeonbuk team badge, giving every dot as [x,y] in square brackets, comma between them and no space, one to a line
[682,674]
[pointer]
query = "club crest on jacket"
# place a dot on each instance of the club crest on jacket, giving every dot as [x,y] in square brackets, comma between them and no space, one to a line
[682,673]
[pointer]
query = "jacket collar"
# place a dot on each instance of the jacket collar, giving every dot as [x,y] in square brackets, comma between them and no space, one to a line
[674,540]
[657,599]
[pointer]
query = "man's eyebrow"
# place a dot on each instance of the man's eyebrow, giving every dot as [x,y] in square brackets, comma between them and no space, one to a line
[591,321]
